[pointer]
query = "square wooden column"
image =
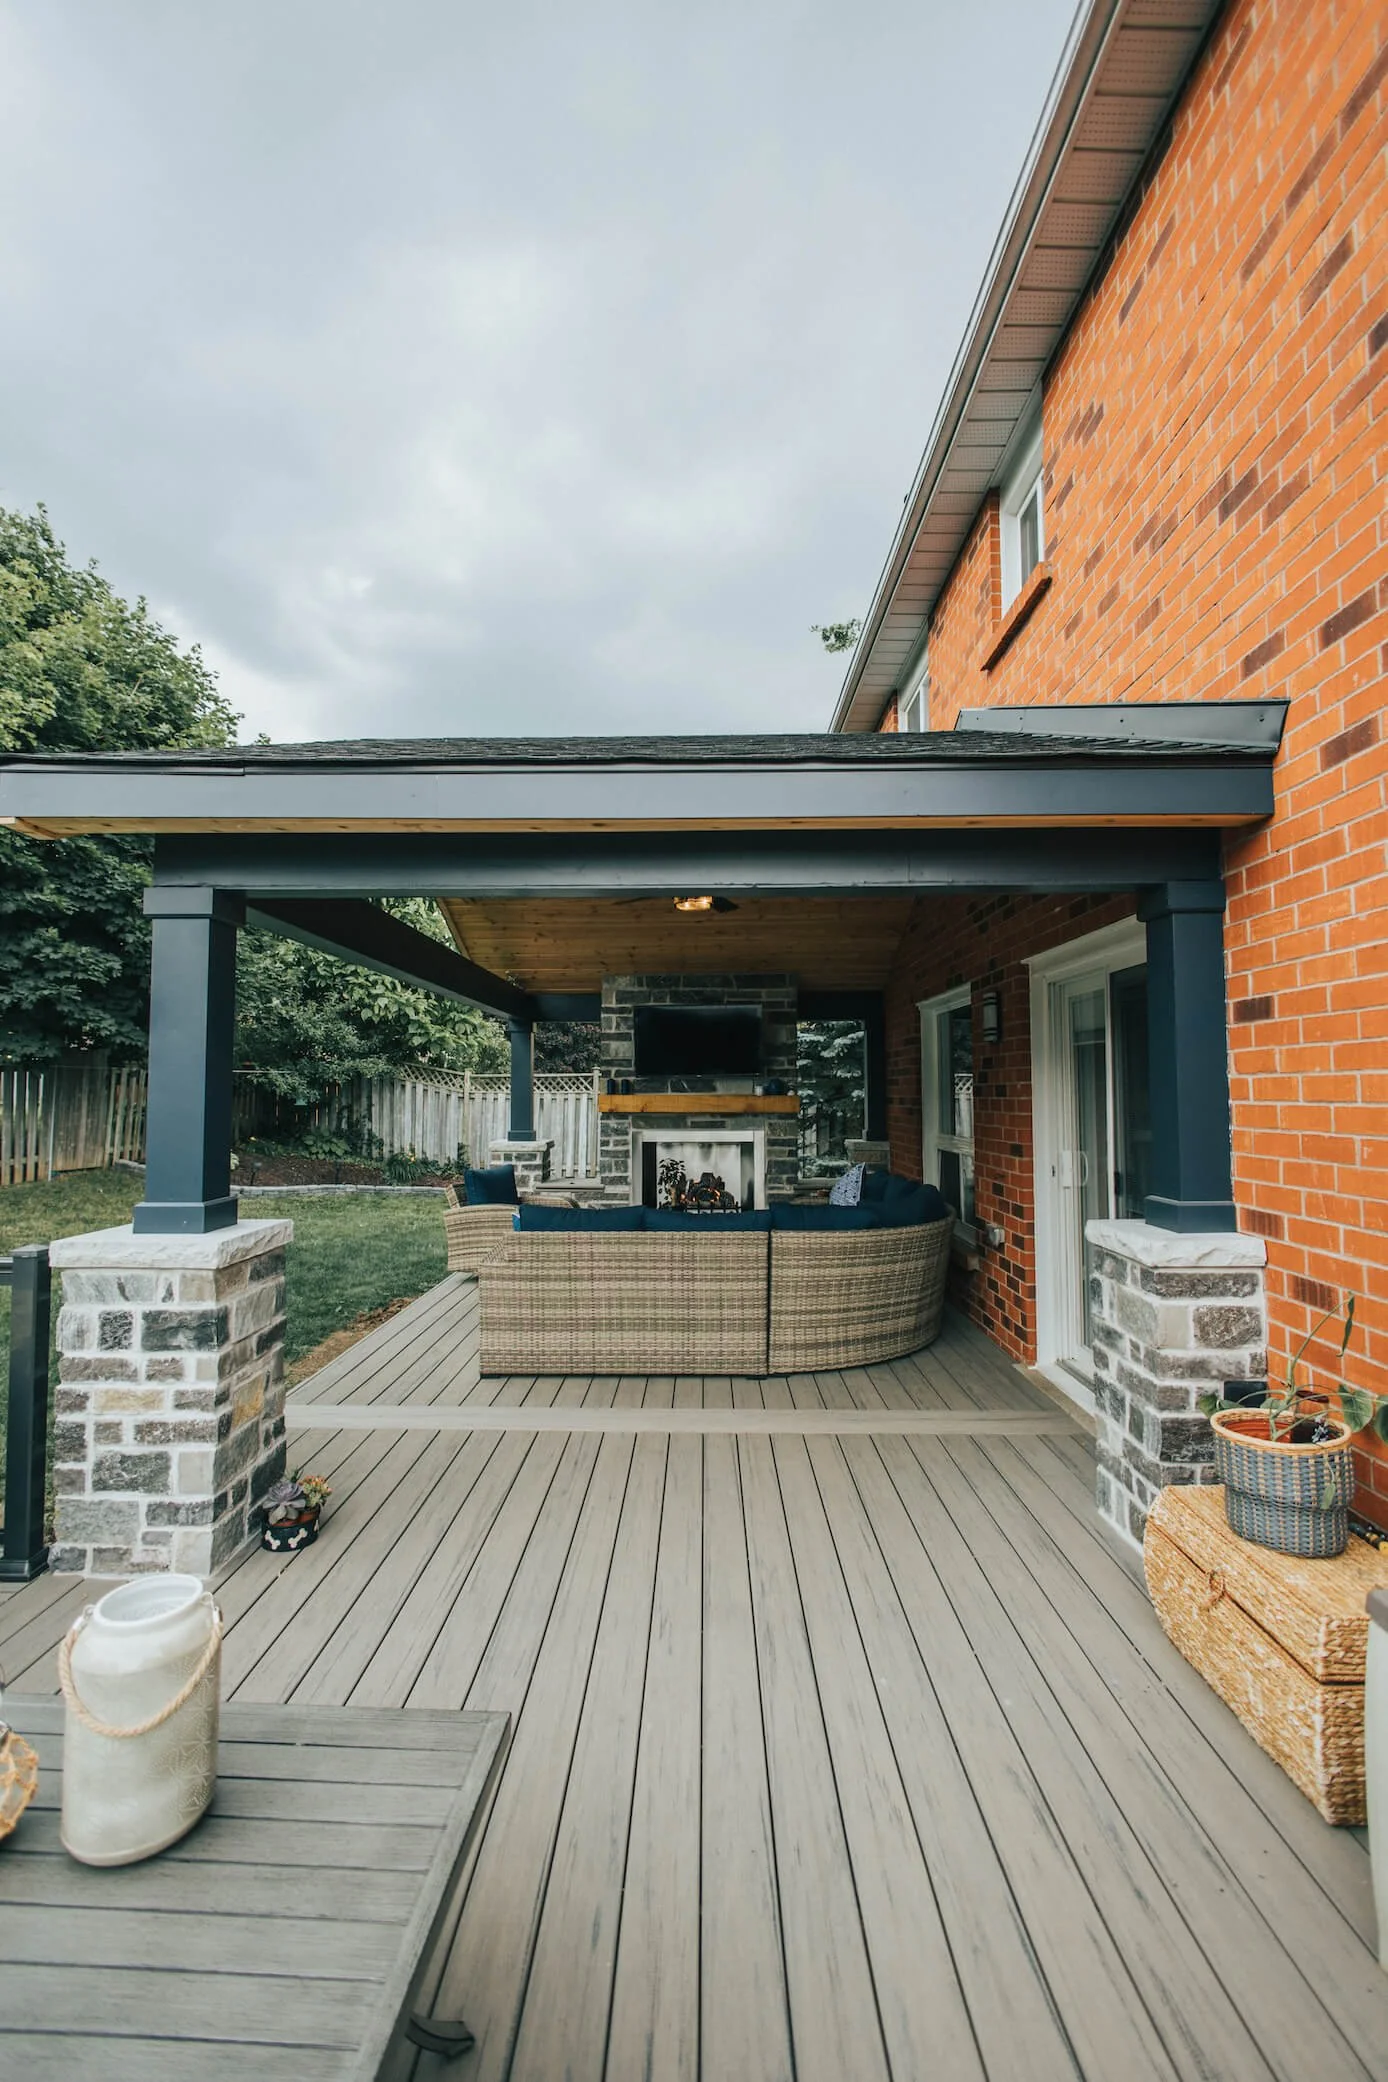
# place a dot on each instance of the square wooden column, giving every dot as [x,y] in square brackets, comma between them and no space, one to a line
[1188,1056]
[192,1016]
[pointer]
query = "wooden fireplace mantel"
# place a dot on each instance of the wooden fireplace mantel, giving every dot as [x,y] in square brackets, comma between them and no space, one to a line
[694,1104]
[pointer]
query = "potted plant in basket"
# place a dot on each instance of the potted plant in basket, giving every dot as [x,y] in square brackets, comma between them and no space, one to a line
[1287,1463]
[292,1511]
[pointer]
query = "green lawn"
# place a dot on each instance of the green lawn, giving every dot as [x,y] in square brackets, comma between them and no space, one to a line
[350,1253]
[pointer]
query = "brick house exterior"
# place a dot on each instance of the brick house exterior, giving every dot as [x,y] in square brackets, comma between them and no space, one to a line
[1213,425]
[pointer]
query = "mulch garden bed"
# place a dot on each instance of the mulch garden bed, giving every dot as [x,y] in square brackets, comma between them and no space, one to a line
[253,1170]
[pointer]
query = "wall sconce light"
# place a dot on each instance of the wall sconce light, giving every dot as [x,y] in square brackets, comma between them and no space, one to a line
[992,1016]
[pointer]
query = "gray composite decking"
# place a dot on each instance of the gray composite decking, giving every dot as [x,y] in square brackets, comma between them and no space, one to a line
[844,1744]
[283,1937]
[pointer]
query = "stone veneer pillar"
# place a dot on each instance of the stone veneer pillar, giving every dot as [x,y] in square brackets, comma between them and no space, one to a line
[170,1397]
[1173,1318]
[531,1159]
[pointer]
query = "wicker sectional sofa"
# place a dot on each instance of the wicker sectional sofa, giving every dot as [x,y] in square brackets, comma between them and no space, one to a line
[704,1301]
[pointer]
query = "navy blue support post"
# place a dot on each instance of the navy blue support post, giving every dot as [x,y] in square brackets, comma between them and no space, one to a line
[23,1554]
[522,1123]
[192,1012]
[1188,1058]
[875,1069]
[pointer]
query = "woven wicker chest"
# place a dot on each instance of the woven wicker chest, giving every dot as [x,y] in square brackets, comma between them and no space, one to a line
[1282,1641]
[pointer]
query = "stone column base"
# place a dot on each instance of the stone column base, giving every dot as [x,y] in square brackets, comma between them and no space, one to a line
[860,1150]
[531,1160]
[170,1397]
[1174,1317]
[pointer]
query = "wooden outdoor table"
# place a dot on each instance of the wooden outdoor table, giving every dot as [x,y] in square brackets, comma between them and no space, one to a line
[286,1936]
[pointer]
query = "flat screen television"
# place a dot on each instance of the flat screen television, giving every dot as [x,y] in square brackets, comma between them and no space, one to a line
[698,1040]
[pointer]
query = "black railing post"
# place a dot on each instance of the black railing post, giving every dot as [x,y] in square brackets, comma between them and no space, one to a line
[23,1553]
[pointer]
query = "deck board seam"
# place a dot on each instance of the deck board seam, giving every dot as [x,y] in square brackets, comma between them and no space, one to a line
[1160,1680]
[1040,1793]
[1178,1922]
[548,1874]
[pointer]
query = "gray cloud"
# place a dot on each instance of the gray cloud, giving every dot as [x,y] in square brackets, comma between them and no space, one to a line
[444,368]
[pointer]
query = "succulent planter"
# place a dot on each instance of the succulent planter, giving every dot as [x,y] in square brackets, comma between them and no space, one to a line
[1294,1499]
[289,1534]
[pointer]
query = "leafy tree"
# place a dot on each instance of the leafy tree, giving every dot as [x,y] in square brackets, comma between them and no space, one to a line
[568,1044]
[305,1019]
[838,636]
[82,670]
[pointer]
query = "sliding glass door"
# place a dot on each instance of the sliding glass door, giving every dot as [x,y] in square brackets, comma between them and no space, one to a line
[1093,1130]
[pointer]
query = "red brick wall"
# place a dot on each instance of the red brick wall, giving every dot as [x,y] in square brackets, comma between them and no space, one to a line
[1217,525]
[982,941]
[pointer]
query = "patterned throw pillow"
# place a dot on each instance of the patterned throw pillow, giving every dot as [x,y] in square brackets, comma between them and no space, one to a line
[848,1190]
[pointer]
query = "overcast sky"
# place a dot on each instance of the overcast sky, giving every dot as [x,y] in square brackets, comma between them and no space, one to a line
[457,369]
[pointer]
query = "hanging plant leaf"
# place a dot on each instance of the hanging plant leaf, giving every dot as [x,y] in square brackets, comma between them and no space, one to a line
[1357,1406]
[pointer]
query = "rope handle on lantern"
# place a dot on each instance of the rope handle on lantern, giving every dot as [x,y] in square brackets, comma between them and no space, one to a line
[156,1720]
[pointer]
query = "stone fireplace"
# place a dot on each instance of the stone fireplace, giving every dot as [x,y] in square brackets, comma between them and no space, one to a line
[761,1158]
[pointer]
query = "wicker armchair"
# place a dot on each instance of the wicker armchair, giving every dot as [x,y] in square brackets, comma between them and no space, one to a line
[472,1233]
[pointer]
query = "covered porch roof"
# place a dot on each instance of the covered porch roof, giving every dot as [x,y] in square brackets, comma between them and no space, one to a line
[557,862]
[949,780]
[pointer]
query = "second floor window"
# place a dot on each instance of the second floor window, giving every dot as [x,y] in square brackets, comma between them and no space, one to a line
[1023,515]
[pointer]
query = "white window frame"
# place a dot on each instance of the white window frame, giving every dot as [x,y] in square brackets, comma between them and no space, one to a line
[914,712]
[1023,486]
[933,1137]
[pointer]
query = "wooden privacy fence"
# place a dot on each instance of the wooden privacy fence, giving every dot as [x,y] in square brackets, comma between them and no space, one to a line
[566,1110]
[78,1117]
[436,1116]
[69,1117]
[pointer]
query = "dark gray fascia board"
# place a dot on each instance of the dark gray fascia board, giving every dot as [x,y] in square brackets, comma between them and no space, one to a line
[580,1005]
[1252,726]
[631,864]
[950,777]
[360,932]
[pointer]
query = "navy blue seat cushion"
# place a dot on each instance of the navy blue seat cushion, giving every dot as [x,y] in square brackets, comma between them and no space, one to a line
[716,1224]
[493,1188]
[914,1206]
[875,1184]
[787,1215]
[536,1216]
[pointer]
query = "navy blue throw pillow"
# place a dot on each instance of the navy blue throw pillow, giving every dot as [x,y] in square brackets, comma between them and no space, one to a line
[677,1218]
[915,1207]
[787,1215]
[493,1188]
[535,1216]
[875,1184]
